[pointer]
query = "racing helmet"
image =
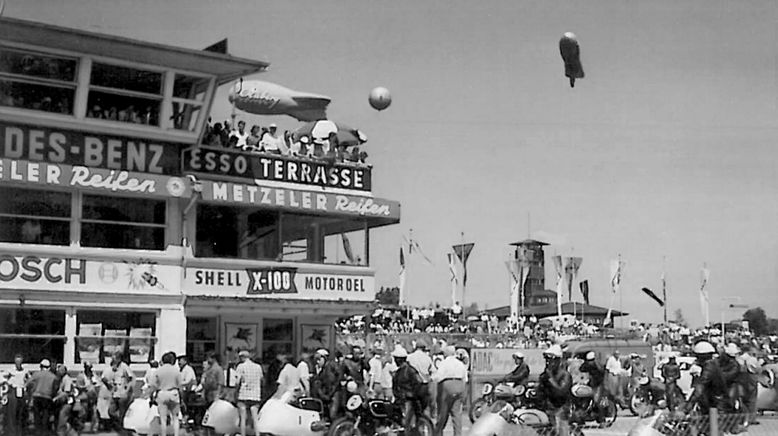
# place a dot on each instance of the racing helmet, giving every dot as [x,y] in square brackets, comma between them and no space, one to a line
[553,352]
[703,347]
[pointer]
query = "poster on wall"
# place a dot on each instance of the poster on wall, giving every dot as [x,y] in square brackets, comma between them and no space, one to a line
[113,341]
[315,336]
[89,342]
[238,337]
[140,345]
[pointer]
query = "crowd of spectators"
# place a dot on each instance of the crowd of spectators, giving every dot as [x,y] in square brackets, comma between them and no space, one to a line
[270,140]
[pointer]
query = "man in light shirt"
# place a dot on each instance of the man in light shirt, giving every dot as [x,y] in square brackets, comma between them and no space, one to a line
[166,383]
[451,378]
[375,371]
[249,389]
[16,411]
[188,379]
[272,142]
[614,373]
[421,361]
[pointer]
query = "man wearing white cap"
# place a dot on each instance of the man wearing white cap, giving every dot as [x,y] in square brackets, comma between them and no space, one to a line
[554,384]
[520,373]
[451,377]
[43,385]
[272,142]
[249,389]
[406,385]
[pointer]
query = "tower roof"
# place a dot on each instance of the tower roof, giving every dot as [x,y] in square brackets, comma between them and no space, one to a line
[528,242]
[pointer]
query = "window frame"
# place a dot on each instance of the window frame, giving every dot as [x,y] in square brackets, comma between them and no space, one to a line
[54,337]
[81,220]
[70,219]
[43,81]
[154,338]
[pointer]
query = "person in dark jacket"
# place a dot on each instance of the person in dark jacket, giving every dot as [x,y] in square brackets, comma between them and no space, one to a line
[520,373]
[671,372]
[43,385]
[407,386]
[596,372]
[329,385]
[554,385]
[709,387]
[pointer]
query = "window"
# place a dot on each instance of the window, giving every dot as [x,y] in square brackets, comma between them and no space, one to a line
[116,222]
[200,338]
[42,82]
[324,240]
[277,337]
[34,216]
[35,333]
[343,247]
[103,333]
[188,96]
[246,233]
[125,94]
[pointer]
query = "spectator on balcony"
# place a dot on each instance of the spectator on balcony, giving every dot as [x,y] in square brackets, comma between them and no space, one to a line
[241,134]
[214,137]
[272,142]
[252,142]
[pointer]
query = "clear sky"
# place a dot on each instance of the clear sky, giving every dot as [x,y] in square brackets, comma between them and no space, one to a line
[668,147]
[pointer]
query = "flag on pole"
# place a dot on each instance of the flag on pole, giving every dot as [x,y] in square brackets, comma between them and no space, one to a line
[560,283]
[664,287]
[616,266]
[414,245]
[704,301]
[347,248]
[402,276]
[584,285]
[463,253]
[524,277]
[513,270]
[452,268]
[572,264]
[651,294]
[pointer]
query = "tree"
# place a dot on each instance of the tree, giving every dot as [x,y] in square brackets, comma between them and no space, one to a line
[472,309]
[757,320]
[679,319]
[388,296]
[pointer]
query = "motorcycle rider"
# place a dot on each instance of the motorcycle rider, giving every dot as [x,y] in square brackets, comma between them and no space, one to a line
[709,389]
[520,374]
[671,372]
[407,386]
[554,385]
[596,373]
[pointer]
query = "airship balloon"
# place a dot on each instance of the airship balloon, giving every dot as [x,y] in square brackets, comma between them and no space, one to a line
[571,55]
[265,98]
[380,98]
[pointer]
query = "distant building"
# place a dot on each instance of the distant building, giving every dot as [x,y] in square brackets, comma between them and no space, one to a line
[531,252]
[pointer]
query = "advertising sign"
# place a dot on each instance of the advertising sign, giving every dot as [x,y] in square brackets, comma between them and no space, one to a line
[41,144]
[278,282]
[73,274]
[296,200]
[276,168]
[499,361]
[93,179]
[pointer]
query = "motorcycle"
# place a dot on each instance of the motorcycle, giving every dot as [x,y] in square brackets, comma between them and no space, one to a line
[520,397]
[72,413]
[5,390]
[647,395]
[583,408]
[372,417]
[278,417]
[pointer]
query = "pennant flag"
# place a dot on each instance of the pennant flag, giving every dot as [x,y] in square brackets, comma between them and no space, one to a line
[513,270]
[572,264]
[560,283]
[616,266]
[414,244]
[584,285]
[704,301]
[651,294]
[463,253]
[347,248]
[525,268]
[402,276]
[452,268]
[664,287]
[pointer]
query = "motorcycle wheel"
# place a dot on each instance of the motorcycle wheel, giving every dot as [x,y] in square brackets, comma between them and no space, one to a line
[611,413]
[477,409]
[637,404]
[344,427]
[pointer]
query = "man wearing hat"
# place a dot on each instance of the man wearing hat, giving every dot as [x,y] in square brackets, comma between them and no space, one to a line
[451,377]
[249,389]
[596,373]
[406,386]
[554,385]
[272,142]
[520,373]
[421,361]
[43,385]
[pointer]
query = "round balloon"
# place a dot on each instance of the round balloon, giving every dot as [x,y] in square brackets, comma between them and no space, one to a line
[380,98]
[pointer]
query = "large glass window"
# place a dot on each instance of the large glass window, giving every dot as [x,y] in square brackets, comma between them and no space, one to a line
[101,333]
[246,233]
[323,240]
[277,337]
[200,338]
[30,80]
[188,97]
[35,333]
[116,222]
[125,94]
[34,216]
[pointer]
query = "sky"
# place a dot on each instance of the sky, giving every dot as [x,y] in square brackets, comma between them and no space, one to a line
[668,149]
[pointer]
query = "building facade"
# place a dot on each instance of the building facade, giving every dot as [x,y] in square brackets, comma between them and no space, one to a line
[530,252]
[120,232]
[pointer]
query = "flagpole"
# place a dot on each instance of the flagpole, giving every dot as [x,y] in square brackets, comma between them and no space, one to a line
[664,289]
[464,272]
[621,298]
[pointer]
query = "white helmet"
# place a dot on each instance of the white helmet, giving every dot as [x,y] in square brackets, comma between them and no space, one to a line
[703,347]
[590,355]
[518,355]
[554,351]
[732,350]
[399,351]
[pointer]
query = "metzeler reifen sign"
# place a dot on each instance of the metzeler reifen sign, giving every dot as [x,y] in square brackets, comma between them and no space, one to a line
[278,282]
[294,199]
[276,168]
[40,144]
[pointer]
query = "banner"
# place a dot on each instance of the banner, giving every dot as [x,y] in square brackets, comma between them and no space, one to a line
[68,147]
[704,301]
[296,200]
[452,269]
[515,274]
[463,253]
[93,179]
[584,285]
[651,294]
[278,282]
[559,283]
[281,169]
[572,264]
[403,272]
